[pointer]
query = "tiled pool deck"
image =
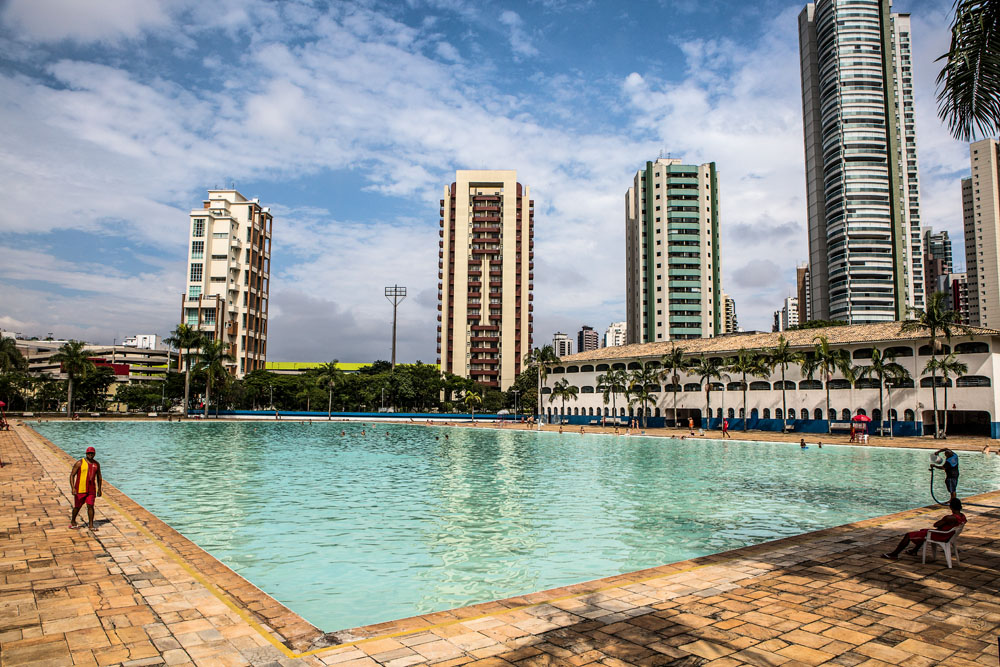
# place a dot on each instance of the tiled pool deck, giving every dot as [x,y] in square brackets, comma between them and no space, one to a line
[138,593]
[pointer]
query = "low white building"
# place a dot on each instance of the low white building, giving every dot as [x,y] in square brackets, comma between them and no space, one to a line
[971,404]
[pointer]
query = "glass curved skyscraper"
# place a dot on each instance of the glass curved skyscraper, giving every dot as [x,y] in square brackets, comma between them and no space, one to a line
[865,244]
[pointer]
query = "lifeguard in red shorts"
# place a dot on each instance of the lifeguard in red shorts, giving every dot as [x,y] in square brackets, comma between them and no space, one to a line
[85,480]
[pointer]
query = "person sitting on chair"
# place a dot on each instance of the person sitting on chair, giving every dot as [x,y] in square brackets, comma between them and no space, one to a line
[918,537]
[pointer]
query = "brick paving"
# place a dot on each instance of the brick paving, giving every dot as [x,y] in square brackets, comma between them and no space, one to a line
[138,593]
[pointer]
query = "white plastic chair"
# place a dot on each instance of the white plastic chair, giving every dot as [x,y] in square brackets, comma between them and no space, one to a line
[946,544]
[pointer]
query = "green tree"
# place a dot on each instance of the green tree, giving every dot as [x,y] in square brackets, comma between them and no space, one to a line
[747,362]
[76,364]
[471,400]
[11,358]
[948,366]
[540,359]
[782,356]
[612,383]
[674,364]
[827,360]
[884,367]
[938,320]
[969,82]
[563,390]
[330,376]
[92,389]
[818,324]
[186,338]
[527,393]
[141,397]
[212,360]
[707,370]
[639,382]
[48,392]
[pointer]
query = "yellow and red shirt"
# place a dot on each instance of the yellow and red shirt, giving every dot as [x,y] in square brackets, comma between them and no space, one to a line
[87,482]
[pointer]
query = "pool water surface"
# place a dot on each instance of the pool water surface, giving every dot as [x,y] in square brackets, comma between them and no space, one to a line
[387,522]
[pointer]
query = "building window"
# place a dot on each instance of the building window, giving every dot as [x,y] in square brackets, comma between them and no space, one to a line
[208,316]
[194,291]
[196,273]
[197,249]
[198,228]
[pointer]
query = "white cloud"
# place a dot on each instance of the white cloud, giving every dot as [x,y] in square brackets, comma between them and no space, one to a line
[108,21]
[521,43]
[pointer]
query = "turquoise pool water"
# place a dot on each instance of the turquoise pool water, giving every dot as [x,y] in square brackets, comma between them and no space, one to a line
[356,529]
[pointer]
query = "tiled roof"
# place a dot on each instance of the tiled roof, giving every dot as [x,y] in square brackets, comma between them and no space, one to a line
[883,332]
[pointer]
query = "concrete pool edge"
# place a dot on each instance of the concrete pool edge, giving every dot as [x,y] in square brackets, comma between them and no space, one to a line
[292,631]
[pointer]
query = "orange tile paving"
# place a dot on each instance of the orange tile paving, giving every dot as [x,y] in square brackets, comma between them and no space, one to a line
[138,593]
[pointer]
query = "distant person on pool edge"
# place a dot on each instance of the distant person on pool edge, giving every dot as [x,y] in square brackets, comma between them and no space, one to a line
[950,468]
[945,523]
[85,480]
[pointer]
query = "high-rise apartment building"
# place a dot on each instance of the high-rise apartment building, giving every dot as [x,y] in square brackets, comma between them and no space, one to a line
[587,339]
[562,344]
[802,288]
[730,323]
[673,272]
[865,245]
[790,313]
[228,276]
[937,260]
[958,288]
[616,334]
[485,274]
[981,209]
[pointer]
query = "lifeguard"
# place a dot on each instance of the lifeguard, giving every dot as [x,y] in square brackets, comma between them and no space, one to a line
[85,481]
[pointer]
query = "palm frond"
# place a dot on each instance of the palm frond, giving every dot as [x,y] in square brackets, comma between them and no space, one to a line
[969,84]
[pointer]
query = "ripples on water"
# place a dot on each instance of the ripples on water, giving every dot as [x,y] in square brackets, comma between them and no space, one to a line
[357,529]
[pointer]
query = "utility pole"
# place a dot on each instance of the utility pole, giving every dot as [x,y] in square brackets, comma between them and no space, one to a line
[395,295]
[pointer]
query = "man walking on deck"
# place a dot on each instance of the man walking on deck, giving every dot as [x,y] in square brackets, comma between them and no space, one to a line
[950,468]
[85,480]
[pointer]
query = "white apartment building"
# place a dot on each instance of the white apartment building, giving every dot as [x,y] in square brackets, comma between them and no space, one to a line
[485,274]
[981,208]
[790,313]
[143,342]
[616,334]
[865,243]
[228,276]
[562,344]
[672,253]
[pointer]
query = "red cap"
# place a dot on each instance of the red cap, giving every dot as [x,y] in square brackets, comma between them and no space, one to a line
[91,450]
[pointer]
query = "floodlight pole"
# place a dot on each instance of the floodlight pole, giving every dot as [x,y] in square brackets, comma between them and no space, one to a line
[395,295]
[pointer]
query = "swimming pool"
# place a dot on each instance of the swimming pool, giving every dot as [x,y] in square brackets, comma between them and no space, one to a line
[407,519]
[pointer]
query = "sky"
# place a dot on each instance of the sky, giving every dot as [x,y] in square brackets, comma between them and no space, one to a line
[350,119]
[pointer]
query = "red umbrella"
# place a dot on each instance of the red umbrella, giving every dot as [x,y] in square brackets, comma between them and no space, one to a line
[862,418]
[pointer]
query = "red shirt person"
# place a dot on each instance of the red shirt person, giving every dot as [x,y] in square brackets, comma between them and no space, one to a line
[945,524]
[85,481]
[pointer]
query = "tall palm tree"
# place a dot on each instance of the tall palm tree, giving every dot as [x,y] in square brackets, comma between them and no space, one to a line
[185,338]
[747,362]
[782,356]
[471,400]
[563,390]
[611,384]
[11,358]
[212,359]
[75,363]
[884,367]
[330,376]
[938,320]
[541,358]
[707,370]
[969,83]
[948,366]
[638,389]
[827,360]
[673,364]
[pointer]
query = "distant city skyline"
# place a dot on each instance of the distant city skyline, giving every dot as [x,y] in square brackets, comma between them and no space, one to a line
[346,119]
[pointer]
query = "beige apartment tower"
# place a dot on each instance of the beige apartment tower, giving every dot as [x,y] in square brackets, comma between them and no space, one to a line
[228,276]
[981,209]
[485,274]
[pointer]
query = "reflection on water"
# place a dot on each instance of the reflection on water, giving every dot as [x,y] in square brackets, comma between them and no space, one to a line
[355,529]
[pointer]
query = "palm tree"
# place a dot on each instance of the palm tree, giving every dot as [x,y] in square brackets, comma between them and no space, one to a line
[884,367]
[969,83]
[541,358]
[185,338]
[611,384]
[673,363]
[707,370]
[11,358]
[949,365]
[638,388]
[330,376]
[938,320]
[471,400]
[75,363]
[747,362]
[827,360]
[563,389]
[212,359]
[782,356]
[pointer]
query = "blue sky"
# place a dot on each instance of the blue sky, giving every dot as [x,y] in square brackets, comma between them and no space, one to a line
[349,119]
